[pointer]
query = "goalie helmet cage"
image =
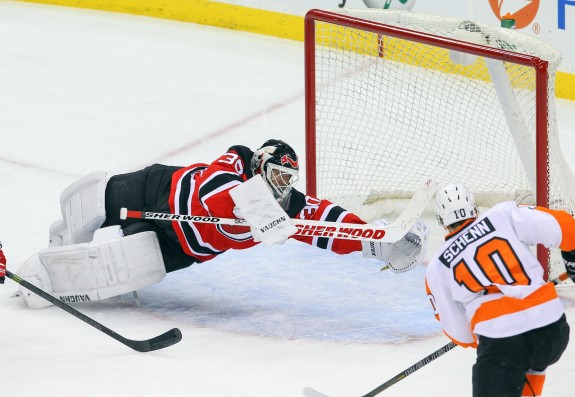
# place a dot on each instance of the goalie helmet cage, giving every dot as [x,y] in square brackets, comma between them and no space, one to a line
[393,97]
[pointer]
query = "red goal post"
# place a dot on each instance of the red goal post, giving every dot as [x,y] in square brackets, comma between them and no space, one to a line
[395,96]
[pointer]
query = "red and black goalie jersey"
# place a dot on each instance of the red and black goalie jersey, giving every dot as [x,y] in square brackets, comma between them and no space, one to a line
[203,190]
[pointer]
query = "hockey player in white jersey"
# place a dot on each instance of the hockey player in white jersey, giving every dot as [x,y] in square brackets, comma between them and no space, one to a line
[488,291]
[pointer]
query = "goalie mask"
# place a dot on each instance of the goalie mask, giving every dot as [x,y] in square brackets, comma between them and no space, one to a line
[454,203]
[277,163]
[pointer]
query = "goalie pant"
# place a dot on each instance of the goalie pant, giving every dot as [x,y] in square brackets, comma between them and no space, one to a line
[203,190]
[487,290]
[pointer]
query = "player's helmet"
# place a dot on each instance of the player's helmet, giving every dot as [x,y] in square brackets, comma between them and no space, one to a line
[277,163]
[454,203]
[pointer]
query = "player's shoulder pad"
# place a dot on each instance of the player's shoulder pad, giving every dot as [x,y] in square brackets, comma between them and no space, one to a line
[246,155]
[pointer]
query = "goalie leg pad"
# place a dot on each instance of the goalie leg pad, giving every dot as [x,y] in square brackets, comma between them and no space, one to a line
[83,211]
[109,266]
[34,272]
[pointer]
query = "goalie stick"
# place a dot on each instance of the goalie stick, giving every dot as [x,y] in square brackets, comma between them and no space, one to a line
[309,392]
[349,231]
[166,339]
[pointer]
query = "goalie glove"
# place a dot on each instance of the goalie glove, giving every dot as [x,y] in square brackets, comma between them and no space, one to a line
[402,255]
[569,261]
[2,265]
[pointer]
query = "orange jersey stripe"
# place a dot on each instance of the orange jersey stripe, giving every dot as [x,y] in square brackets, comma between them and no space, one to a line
[463,344]
[507,305]
[567,224]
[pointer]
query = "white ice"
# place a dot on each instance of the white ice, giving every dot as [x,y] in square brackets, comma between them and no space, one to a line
[85,90]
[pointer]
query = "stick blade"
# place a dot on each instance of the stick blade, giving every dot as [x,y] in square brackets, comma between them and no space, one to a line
[167,339]
[415,208]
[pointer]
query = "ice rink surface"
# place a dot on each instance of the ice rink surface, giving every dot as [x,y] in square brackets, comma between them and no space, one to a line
[85,90]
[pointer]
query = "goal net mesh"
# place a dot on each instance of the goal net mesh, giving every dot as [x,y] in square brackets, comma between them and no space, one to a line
[391,111]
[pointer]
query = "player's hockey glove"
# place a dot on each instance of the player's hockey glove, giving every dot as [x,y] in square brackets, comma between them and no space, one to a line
[569,260]
[2,265]
[402,255]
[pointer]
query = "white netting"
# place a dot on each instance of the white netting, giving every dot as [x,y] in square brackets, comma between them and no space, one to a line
[390,112]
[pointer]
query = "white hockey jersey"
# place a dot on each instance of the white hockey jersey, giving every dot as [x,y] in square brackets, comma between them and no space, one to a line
[486,280]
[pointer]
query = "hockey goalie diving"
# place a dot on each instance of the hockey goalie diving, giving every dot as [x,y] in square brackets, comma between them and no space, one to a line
[263,321]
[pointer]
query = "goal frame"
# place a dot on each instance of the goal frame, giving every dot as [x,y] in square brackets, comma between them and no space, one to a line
[539,65]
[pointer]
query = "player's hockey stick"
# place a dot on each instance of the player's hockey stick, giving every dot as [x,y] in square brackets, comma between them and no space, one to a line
[560,278]
[309,392]
[392,233]
[166,339]
[436,354]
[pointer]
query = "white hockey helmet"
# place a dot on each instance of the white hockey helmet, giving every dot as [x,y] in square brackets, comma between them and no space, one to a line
[454,203]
